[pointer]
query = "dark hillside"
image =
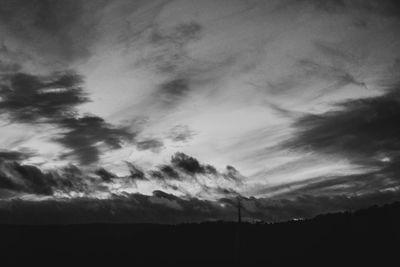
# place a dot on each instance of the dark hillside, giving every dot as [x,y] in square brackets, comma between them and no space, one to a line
[367,236]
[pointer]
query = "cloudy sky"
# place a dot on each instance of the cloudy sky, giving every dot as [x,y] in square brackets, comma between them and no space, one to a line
[167,111]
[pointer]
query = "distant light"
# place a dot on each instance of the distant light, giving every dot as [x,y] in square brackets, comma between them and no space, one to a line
[386,159]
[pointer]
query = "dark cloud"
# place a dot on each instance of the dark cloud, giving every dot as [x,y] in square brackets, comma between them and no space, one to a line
[169,172]
[162,194]
[24,178]
[29,98]
[185,173]
[180,133]
[105,175]
[70,180]
[13,155]
[135,172]
[36,181]
[53,99]
[388,8]
[363,130]
[155,145]
[209,181]
[84,135]
[187,164]
[58,31]
[232,174]
[172,91]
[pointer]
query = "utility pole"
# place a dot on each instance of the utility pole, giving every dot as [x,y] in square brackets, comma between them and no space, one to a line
[239,207]
[238,237]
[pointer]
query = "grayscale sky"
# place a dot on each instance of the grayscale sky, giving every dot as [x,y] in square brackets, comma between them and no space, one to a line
[291,103]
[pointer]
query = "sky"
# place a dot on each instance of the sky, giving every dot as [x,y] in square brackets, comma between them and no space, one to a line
[167,111]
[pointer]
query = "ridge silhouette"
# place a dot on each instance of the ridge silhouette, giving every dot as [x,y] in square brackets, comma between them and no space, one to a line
[369,236]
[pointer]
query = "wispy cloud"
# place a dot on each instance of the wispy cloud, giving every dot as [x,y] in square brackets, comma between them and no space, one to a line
[297,95]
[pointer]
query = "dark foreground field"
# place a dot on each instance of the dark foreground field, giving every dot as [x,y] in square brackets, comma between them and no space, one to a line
[370,236]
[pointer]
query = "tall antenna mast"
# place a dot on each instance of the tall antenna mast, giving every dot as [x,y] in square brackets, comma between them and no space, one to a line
[239,206]
[238,226]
